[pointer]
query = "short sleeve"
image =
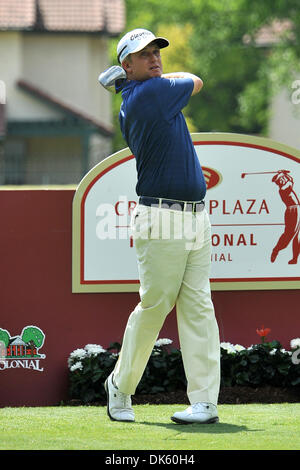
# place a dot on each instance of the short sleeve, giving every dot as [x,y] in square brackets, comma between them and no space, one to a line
[173,95]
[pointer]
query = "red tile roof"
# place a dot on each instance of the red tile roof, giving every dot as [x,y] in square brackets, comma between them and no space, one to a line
[272,33]
[63,15]
[17,14]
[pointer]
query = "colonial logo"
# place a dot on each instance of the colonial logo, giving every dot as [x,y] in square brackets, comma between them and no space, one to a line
[22,351]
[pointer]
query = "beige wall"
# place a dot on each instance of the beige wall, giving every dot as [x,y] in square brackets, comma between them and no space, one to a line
[67,66]
[19,104]
[285,119]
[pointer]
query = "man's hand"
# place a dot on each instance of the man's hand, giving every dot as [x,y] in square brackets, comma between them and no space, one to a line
[198,83]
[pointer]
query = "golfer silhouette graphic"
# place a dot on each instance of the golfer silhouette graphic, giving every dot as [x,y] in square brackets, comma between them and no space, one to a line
[291,217]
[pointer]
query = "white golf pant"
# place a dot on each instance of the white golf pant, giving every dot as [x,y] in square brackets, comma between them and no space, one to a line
[173,252]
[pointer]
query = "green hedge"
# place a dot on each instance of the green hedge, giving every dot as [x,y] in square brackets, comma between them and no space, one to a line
[261,364]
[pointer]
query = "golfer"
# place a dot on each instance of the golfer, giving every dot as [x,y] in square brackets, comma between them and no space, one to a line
[291,217]
[171,230]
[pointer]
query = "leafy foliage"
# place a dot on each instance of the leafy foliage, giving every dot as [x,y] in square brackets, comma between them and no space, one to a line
[218,41]
[164,372]
[33,334]
[260,365]
[4,337]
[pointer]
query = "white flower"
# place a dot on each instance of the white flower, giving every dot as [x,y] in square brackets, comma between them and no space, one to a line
[238,347]
[273,352]
[163,342]
[77,354]
[80,353]
[94,349]
[114,355]
[77,365]
[228,347]
[295,343]
[285,351]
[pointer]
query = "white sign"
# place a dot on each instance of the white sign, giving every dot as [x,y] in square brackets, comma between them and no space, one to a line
[253,193]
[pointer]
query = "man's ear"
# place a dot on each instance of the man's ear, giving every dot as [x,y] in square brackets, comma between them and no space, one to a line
[127,66]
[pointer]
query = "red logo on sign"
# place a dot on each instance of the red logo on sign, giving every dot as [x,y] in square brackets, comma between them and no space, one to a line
[290,199]
[212,177]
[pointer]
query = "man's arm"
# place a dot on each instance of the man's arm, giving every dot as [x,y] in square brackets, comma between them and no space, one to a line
[198,83]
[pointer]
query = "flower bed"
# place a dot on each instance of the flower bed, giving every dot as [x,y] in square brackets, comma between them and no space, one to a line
[261,367]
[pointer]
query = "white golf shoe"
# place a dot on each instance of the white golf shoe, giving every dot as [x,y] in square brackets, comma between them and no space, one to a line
[118,404]
[202,413]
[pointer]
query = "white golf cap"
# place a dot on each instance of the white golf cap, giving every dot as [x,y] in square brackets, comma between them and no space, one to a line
[136,40]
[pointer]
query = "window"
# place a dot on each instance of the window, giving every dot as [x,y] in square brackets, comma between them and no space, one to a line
[13,167]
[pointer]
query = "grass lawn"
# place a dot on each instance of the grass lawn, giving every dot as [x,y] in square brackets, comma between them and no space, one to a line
[241,427]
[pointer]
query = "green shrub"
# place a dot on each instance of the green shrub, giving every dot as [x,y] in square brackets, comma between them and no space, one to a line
[261,364]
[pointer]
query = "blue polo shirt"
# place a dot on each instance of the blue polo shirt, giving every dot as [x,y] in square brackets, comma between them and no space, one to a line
[156,132]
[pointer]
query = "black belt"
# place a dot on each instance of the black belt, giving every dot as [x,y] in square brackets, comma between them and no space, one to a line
[190,206]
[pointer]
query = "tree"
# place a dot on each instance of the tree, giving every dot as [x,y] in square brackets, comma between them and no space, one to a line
[4,337]
[33,336]
[219,42]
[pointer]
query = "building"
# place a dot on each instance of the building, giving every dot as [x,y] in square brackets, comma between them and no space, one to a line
[285,106]
[55,119]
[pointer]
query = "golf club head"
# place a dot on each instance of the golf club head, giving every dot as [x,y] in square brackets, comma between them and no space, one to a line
[112,78]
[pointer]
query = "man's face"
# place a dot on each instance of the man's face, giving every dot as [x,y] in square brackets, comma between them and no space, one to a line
[144,64]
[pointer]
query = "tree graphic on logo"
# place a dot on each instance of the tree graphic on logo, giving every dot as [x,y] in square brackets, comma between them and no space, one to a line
[34,337]
[24,346]
[4,341]
[4,337]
